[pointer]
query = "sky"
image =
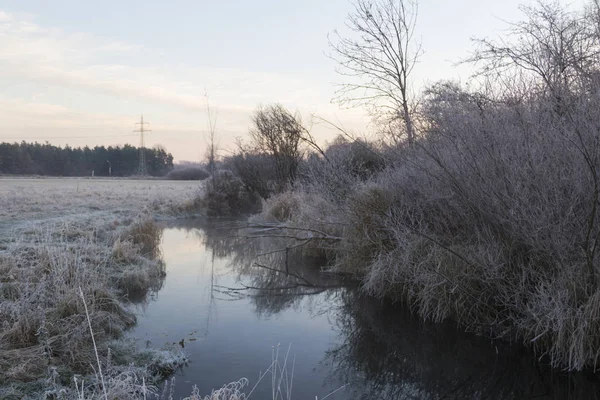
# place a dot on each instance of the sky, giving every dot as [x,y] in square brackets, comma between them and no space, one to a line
[82,72]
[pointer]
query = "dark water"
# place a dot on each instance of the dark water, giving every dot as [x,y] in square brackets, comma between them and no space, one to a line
[232,316]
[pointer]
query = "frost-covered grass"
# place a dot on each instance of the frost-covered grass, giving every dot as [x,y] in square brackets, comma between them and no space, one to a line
[44,328]
[60,238]
[25,199]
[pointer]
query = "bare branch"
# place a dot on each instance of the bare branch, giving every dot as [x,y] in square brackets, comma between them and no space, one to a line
[379,62]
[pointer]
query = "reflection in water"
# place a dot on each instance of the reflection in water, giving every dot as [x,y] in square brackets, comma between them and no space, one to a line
[380,350]
[388,353]
[274,277]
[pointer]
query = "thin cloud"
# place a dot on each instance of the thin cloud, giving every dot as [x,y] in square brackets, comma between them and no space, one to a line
[93,66]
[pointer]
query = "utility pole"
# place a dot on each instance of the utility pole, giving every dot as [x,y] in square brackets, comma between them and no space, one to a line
[142,170]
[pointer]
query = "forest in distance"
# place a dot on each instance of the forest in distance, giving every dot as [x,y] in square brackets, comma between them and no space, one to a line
[49,160]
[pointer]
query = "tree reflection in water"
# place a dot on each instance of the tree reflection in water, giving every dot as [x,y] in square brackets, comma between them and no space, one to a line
[383,351]
[274,278]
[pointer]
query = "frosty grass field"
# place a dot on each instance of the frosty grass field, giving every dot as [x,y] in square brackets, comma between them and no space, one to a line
[73,253]
[25,200]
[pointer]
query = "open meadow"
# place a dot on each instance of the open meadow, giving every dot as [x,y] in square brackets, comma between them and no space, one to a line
[30,200]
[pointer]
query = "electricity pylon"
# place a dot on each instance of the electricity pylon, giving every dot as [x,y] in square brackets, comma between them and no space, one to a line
[142,170]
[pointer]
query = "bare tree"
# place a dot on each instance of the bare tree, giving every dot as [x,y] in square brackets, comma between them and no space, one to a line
[278,132]
[211,151]
[555,48]
[379,56]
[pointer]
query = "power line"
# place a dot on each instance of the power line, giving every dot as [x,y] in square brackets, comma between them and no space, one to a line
[142,168]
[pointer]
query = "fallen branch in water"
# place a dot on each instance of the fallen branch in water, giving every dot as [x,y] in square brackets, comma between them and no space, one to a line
[227,290]
[286,272]
[275,227]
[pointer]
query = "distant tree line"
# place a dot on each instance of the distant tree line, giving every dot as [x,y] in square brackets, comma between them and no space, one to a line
[46,159]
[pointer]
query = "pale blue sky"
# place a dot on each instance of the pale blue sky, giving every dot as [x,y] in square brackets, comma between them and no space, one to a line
[81,72]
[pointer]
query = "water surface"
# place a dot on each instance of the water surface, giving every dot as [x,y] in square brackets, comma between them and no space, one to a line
[232,314]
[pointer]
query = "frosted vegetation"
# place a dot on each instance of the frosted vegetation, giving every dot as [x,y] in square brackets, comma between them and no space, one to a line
[480,205]
[43,199]
[73,256]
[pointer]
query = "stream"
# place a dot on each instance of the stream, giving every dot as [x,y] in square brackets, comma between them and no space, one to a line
[235,317]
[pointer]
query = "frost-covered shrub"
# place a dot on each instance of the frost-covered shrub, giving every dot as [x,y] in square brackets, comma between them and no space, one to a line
[361,158]
[491,219]
[365,236]
[344,166]
[257,172]
[282,208]
[488,221]
[317,218]
[227,195]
